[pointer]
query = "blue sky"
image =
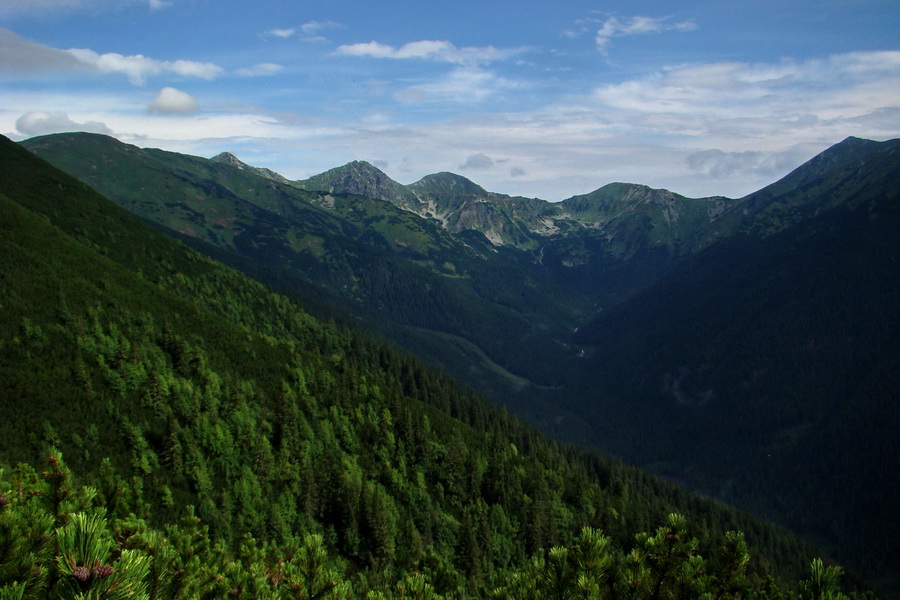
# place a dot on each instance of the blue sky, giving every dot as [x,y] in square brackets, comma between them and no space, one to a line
[526,98]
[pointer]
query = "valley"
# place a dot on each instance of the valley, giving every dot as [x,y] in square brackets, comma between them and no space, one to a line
[745,347]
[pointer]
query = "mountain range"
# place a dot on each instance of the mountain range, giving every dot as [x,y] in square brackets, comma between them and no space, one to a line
[175,429]
[745,348]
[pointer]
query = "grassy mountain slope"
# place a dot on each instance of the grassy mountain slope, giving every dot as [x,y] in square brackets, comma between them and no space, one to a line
[205,388]
[631,217]
[770,360]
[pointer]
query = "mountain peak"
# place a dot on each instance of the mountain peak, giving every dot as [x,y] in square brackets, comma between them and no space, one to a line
[227,158]
[849,155]
[618,194]
[357,171]
[448,183]
[801,193]
[363,164]
[361,178]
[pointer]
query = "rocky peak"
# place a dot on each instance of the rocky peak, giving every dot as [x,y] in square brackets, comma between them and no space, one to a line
[446,183]
[361,178]
[227,158]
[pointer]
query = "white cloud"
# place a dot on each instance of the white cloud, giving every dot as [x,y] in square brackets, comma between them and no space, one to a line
[465,85]
[173,102]
[138,67]
[43,123]
[759,100]
[704,129]
[281,33]
[441,51]
[312,30]
[639,25]
[698,129]
[478,162]
[260,70]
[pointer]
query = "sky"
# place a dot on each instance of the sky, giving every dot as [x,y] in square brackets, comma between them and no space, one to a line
[530,98]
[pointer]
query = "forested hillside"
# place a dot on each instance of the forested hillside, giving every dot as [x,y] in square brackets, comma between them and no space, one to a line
[323,463]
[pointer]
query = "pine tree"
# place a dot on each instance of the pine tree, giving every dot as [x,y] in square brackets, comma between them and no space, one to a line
[823,584]
[308,574]
[87,569]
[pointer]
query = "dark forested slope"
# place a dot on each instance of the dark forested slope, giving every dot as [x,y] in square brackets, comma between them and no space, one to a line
[765,369]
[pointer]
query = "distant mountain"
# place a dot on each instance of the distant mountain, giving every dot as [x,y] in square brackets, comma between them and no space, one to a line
[227,158]
[449,185]
[634,217]
[461,205]
[360,178]
[615,212]
[849,175]
[603,245]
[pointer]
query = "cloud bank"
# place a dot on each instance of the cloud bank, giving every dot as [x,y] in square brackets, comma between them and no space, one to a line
[629,26]
[260,70]
[758,101]
[463,85]
[435,50]
[311,31]
[138,67]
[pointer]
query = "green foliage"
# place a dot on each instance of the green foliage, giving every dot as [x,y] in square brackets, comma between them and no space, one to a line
[823,583]
[92,556]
